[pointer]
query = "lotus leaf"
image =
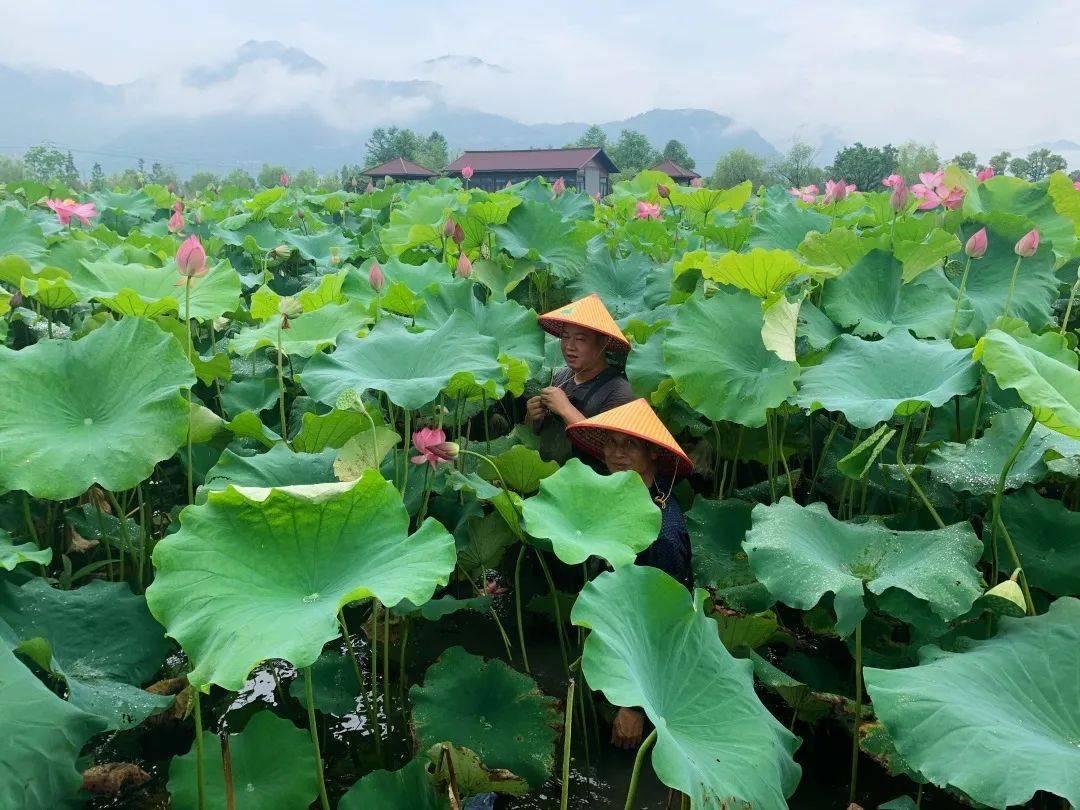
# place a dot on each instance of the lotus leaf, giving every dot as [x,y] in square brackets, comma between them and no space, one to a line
[573,511]
[332,429]
[839,246]
[521,468]
[12,555]
[717,529]
[276,565]
[307,334]
[19,235]
[333,684]
[871,381]
[489,708]
[715,741]
[719,363]
[416,223]
[408,787]
[801,553]
[73,416]
[364,451]
[273,768]
[999,718]
[1047,538]
[534,230]
[760,272]
[784,224]
[278,467]
[779,327]
[472,776]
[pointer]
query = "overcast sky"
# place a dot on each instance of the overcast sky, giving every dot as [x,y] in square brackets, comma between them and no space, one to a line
[980,74]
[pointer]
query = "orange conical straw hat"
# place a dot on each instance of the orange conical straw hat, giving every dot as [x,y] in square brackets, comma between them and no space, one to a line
[588,312]
[634,419]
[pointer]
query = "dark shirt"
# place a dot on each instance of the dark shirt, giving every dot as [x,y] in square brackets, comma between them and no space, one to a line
[671,551]
[608,389]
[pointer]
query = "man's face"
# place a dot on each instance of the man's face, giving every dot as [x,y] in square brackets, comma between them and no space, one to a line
[582,348]
[622,452]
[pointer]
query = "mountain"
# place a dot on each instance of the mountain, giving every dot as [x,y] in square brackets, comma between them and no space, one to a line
[271,103]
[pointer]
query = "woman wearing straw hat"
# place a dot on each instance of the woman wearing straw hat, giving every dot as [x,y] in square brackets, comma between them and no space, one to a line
[632,437]
[588,385]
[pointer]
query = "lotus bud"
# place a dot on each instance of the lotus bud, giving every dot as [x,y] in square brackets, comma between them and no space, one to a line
[178,205]
[459,235]
[191,258]
[221,324]
[369,188]
[176,222]
[284,179]
[898,199]
[508,184]
[282,251]
[335,256]
[464,266]
[375,277]
[446,450]
[448,227]
[16,299]
[558,187]
[299,214]
[893,181]
[288,307]
[975,247]
[695,182]
[1010,591]
[985,174]
[467,172]
[1028,243]
[169,188]
[663,191]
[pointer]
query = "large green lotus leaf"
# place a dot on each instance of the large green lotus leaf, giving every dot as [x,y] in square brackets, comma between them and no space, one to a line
[622,285]
[1041,369]
[333,683]
[975,466]
[520,467]
[213,367]
[719,363]
[535,230]
[717,530]
[408,787]
[307,333]
[73,414]
[998,720]
[919,246]
[801,553]
[715,741]
[645,367]
[443,606]
[871,381]
[988,285]
[574,511]
[19,235]
[418,222]
[364,451]
[839,246]
[508,322]
[704,201]
[872,298]
[782,223]
[272,567]
[273,768]
[134,202]
[1035,203]
[1047,538]
[103,641]
[760,272]
[12,555]
[136,289]
[332,429]
[411,368]
[323,247]
[42,738]
[278,467]
[489,708]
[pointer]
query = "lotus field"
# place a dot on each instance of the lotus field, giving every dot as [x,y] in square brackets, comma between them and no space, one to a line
[274,532]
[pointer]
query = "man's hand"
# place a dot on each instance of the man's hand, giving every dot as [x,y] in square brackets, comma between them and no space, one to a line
[555,400]
[627,727]
[535,410]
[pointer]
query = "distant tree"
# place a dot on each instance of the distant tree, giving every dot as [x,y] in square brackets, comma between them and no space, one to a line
[968,161]
[47,164]
[433,153]
[97,178]
[126,179]
[240,179]
[328,182]
[676,152]
[305,178]
[865,166]
[1038,164]
[797,167]
[349,176]
[914,158]
[632,152]
[201,181]
[739,165]
[390,142]
[593,136]
[1000,162]
[270,174]
[162,175]
[12,169]
[1074,175]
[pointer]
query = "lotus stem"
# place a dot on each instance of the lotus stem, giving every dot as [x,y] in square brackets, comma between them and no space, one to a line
[1068,307]
[281,392]
[783,458]
[568,728]
[978,404]
[517,606]
[310,698]
[373,638]
[361,686]
[226,769]
[998,523]
[821,458]
[918,796]
[718,485]
[959,298]
[858,714]
[121,515]
[557,610]
[190,346]
[401,660]
[911,481]
[144,535]
[494,466]
[200,776]
[636,773]
[772,456]
[455,800]
[386,662]
[1012,285]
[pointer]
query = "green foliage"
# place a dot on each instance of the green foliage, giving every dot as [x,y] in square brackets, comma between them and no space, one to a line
[739,166]
[632,152]
[675,151]
[865,166]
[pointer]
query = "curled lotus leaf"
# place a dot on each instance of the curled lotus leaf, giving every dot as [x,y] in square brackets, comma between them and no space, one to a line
[73,416]
[410,786]
[307,334]
[715,741]
[998,719]
[274,566]
[12,554]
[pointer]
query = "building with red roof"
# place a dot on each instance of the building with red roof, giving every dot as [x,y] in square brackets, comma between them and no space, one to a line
[676,172]
[586,169]
[401,170]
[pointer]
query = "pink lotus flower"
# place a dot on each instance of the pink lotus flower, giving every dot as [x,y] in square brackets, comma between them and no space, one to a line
[893,181]
[191,258]
[663,191]
[176,222]
[898,200]
[448,227]
[467,172]
[493,588]
[284,179]
[808,194]
[1076,185]
[1027,244]
[647,210]
[178,205]
[933,196]
[558,187]
[459,235]
[696,182]
[375,277]
[66,209]
[464,266]
[596,196]
[837,190]
[932,178]
[985,174]
[369,188]
[432,447]
[975,247]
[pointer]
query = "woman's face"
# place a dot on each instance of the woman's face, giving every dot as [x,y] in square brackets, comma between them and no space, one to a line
[622,452]
[582,348]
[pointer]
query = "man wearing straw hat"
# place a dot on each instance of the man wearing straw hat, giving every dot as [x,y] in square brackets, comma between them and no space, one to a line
[588,385]
[632,437]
